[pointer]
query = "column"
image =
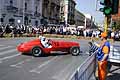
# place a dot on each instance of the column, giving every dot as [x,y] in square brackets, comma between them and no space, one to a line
[66,11]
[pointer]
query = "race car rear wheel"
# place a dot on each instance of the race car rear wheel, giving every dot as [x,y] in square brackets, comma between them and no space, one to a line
[75,50]
[37,51]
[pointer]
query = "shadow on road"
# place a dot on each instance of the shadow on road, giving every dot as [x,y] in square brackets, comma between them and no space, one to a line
[114,76]
[115,69]
[47,55]
[53,54]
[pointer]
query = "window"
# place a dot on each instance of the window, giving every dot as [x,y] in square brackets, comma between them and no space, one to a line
[11,1]
[1,20]
[25,6]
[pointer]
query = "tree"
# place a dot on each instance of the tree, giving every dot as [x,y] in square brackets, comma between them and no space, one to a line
[116,25]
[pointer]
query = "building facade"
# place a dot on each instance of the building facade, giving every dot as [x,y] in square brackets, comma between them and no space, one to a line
[88,21]
[26,12]
[67,11]
[116,17]
[36,12]
[71,12]
[51,12]
[79,18]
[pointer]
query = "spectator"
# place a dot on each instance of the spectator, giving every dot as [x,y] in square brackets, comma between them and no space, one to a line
[112,36]
[84,33]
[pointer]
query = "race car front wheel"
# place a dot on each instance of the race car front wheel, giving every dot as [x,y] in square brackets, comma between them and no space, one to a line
[36,51]
[75,51]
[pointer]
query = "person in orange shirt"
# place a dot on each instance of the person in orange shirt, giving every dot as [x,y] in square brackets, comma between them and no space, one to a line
[102,56]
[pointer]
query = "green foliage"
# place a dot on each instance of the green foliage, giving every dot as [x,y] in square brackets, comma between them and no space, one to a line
[116,25]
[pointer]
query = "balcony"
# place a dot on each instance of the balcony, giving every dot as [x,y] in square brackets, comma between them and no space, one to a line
[46,2]
[11,9]
[44,17]
[56,2]
[37,14]
[27,12]
[61,12]
[54,17]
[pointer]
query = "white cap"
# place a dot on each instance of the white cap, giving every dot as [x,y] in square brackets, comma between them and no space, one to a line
[40,37]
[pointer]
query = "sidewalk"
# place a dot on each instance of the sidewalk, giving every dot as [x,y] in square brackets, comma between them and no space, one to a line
[113,75]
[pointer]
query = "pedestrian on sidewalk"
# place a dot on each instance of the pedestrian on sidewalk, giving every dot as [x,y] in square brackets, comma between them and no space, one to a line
[102,56]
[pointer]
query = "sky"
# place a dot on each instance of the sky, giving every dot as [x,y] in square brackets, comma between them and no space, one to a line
[89,7]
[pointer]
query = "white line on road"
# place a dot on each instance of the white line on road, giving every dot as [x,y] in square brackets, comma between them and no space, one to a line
[1,45]
[18,65]
[7,52]
[5,47]
[60,75]
[42,65]
[9,57]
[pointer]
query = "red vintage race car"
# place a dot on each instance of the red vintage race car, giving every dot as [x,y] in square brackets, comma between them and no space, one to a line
[37,47]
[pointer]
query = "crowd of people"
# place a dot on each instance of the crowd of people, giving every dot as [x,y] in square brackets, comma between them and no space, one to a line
[60,30]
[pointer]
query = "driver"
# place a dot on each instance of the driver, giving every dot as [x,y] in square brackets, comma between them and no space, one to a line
[45,42]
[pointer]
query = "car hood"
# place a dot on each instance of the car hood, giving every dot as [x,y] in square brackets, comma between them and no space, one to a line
[32,42]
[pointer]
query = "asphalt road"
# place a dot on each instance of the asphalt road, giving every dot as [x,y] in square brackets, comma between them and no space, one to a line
[14,66]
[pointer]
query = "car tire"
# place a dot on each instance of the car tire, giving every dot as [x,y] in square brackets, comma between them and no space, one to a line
[75,50]
[37,51]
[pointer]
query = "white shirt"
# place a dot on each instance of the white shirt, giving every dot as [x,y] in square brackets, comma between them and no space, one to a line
[112,34]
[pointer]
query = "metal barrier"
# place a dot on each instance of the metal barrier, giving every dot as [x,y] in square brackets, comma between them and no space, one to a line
[114,55]
[85,71]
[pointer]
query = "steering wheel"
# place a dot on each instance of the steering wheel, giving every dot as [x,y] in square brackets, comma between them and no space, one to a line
[49,41]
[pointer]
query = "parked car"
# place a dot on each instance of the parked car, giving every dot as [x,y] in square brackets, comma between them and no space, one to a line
[36,48]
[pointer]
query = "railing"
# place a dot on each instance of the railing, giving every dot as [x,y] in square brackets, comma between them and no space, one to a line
[114,55]
[12,9]
[85,71]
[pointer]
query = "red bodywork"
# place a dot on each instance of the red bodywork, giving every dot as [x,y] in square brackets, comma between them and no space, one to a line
[56,46]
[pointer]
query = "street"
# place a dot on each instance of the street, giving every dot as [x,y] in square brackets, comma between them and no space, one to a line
[86,22]
[15,66]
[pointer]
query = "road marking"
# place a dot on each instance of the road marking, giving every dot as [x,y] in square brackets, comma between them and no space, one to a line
[87,52]
[9,57]
[35,70]
[7,52]
[1,45]
[18,65]
[61,73]
[5,47]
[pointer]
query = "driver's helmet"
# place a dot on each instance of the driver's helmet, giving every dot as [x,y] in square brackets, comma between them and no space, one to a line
[42,38]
